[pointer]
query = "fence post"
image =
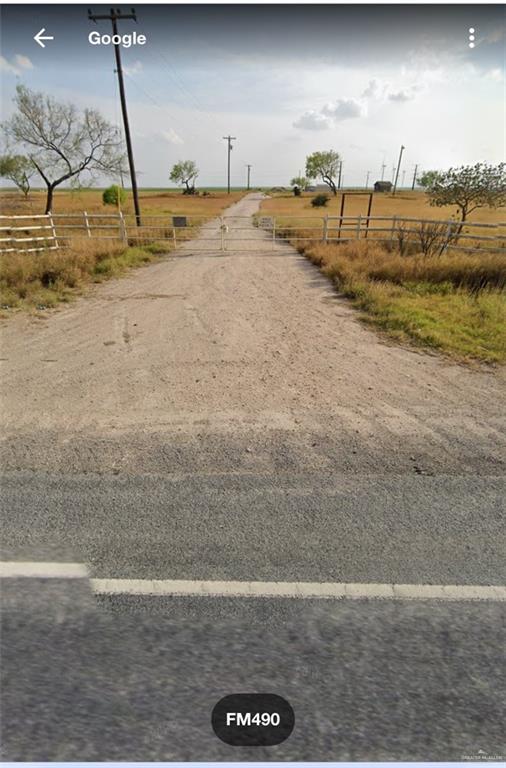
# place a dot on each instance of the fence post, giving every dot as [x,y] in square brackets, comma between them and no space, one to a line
[53,230]
[273,233]
[325,228]
[359,225]
[87,223]
[392,233]
[122,228]
[174,238]
[447,239]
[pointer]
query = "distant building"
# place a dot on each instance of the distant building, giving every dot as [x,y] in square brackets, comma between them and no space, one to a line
[383,186]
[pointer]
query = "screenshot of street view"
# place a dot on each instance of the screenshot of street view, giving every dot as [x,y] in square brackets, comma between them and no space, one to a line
[252,350]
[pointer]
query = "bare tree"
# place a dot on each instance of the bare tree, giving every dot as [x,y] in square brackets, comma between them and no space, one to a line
[434,237]
[63,144]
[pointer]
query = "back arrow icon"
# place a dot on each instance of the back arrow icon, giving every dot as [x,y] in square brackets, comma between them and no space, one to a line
[39,37]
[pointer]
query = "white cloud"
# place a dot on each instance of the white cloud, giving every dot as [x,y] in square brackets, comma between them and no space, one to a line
[381,90]
[497,75]
[135,69]
[402,95]
[23,61]
[343,109]
[313,121]
[171,136]
[6,66]
[16,66]
[496,36]
[330,114]
[375,89]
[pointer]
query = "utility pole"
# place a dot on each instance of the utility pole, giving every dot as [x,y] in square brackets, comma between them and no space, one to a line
[383,166]
[229,139]
[414,178]
[398,168]
[113,17]
[340,174]
[367,179]
[249,174]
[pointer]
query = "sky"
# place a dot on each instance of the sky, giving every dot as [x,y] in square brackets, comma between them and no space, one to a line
[285,80]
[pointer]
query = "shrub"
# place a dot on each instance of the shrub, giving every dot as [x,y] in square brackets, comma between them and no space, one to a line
[113,194]
[320,200]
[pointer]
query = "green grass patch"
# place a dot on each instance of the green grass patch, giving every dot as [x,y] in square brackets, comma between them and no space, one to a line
[455,304]
[453,321]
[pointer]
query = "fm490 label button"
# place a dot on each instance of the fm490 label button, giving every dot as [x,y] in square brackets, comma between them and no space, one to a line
[253,719]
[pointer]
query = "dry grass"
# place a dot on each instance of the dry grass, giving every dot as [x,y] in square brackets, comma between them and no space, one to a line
[454,303]
[407,204]
[44,280]
[152,202]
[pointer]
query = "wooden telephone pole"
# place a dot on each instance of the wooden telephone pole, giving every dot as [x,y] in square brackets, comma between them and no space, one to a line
[229,139]
[113,17]
[398,169]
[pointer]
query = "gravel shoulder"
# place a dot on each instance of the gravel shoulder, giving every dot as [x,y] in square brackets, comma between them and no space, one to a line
[251,349]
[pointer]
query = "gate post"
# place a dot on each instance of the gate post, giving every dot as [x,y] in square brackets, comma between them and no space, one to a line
[53,230]
[392,233]
[122,228]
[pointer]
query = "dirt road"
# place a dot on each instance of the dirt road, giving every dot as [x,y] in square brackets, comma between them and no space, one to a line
[245,360]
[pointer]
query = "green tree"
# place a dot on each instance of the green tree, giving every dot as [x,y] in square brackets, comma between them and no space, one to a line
[324,165]
[185,172]
[468,187]
[18,169]
[63,143]
[113,195]
[299,181]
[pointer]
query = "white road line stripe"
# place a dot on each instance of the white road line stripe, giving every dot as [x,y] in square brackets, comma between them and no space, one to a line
[293,589]
[297,589]
[18,569]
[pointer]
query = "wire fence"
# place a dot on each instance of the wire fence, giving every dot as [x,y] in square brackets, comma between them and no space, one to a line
[37,233]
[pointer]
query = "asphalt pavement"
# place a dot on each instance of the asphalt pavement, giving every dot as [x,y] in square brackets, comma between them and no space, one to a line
[368,680]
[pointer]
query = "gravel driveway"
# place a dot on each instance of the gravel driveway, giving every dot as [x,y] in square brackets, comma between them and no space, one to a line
[243,360]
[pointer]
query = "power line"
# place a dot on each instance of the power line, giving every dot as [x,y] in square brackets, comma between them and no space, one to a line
[184,89]
[113,17]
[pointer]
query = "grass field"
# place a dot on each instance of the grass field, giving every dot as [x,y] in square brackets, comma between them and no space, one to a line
[404,203]
[152,202]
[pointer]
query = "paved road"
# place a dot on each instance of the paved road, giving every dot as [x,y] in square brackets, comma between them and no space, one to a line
[368,680]
[296,527]
[225,417]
